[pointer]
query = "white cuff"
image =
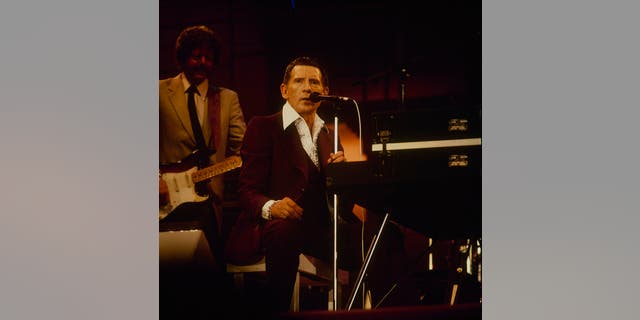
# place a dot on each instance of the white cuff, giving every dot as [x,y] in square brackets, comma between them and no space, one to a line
[266,209]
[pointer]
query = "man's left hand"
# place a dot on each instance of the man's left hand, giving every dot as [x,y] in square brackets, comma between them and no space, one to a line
[337,157]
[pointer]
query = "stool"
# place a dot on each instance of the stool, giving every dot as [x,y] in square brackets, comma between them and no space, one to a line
[309,267]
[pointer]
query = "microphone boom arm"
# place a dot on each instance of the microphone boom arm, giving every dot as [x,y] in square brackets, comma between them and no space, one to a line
[315,97]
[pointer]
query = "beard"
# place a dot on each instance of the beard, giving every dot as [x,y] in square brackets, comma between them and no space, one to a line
[197,75]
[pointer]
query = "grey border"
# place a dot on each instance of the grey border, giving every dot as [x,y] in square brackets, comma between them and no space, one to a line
[78,134]
[560,180]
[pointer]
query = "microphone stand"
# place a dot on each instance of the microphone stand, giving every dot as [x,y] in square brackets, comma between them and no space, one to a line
[336,108]
[335,218]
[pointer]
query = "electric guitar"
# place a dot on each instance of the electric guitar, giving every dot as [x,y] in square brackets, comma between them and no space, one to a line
[181,181]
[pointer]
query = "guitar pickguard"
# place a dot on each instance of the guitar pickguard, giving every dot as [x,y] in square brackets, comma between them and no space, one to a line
[181,189]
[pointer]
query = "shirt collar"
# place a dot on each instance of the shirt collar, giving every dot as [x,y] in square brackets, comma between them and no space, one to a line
[202,87]
[290,115]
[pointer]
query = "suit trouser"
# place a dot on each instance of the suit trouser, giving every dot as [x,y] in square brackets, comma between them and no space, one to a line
[284,240]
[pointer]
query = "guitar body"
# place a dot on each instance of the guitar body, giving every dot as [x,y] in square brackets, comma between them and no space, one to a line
[185,183]
[181,189]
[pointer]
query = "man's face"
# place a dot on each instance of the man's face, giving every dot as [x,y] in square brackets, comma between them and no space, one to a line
[199,65]
[303,81]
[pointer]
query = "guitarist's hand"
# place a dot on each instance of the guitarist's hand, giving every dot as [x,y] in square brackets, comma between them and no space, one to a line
[164,192]
[286,209]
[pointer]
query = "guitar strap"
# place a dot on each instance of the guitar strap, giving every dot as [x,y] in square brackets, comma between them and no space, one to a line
[214,116]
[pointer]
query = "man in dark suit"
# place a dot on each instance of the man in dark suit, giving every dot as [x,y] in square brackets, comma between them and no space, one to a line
[282,184]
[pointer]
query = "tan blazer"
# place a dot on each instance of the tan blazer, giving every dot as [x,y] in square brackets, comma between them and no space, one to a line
[176,136]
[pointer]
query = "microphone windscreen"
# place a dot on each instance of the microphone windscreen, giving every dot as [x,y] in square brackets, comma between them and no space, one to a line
[314,97]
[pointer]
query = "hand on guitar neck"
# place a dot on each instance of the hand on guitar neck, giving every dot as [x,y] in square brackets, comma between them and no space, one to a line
[178,184]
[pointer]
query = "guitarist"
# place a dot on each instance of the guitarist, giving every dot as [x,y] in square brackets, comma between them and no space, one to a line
[184,143]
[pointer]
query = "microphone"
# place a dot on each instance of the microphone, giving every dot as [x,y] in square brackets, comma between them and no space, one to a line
[315,97]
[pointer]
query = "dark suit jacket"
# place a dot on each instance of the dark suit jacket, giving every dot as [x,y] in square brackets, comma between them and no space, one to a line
[274,163]
[274,166]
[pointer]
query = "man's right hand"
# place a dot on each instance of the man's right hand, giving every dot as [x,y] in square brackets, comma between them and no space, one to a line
[286,209]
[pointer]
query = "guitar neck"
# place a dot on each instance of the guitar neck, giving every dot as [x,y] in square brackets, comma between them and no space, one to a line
[228,164]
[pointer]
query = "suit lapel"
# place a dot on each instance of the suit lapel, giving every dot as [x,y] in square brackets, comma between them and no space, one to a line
[179,103]
[325,146]
[293,147]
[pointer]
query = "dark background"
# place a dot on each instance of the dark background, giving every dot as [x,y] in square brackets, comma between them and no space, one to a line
[365,46]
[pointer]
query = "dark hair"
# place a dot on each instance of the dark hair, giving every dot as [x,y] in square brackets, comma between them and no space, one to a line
[305,61]
[196,37]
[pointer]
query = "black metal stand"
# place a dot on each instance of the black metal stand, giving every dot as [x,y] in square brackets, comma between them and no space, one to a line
[334,298]
[335,219]
[367,261]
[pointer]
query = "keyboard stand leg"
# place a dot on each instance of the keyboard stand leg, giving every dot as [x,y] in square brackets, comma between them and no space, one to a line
[367,261]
